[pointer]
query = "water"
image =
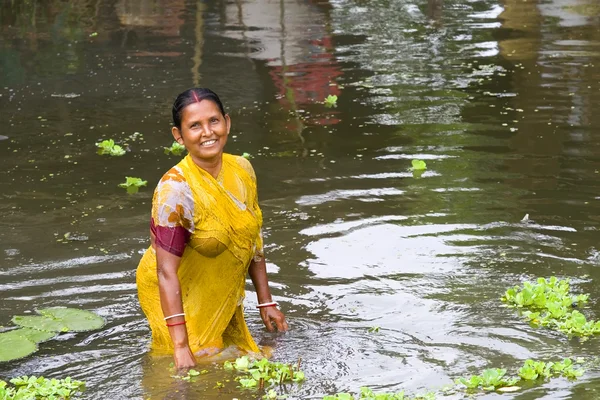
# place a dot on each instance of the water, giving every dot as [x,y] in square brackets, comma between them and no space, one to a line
[497,97]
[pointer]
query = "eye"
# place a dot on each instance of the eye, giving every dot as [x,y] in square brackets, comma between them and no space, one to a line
[195,125]
[214,120]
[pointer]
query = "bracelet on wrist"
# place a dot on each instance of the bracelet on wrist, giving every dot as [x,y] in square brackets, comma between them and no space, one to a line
[269,304]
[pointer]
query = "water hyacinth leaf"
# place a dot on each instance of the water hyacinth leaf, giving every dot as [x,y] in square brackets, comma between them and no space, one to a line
[14,347]
[418,165]
[40,322]
[34,335]
[74,319]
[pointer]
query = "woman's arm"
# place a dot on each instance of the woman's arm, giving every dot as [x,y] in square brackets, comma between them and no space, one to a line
[258,274]
[171,304]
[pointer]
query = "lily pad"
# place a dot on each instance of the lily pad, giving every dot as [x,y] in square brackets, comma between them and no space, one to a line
[40,322]
[13,347]
[74,319]
[34,335]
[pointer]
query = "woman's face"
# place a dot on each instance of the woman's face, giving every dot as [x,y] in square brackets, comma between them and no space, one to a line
[203,131]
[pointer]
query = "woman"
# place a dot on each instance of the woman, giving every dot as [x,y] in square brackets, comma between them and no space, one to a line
[206,236]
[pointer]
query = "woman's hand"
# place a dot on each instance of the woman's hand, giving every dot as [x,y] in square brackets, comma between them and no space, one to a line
[272,314]
[184,358]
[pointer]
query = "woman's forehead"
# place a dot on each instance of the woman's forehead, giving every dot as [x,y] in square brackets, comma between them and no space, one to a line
[203,108]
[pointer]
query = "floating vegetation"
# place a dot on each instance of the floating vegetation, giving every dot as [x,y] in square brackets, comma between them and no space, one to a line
[489,379]
[247,156]
[495,379]
[418,165]
[260,374]
[373,329]
[191,374]
[368,394]
[32,387]
[108,147]
[19,343]
[330,101]
[548,303]
[176,149]
[132,184]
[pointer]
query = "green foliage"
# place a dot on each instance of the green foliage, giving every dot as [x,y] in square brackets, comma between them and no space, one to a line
[263,373]
[330,101]
[108,147]
[191,374]
[548,302]
[74,319]
[489,379]
[19,343]
[176,149]
[533,370]
[40,322]
[368,394]
[373,329]
[418,165]
[32,388]
[13,347]
[247,156]
[132,184]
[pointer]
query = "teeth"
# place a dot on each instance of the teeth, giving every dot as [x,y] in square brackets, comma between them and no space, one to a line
[208,142]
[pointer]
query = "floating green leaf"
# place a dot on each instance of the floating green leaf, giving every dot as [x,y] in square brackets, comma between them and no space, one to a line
[132,184]
[176,149]
[74,319]
[330,101]
[32,387]
[34,335]
[40,322]
[247,156]
[418,165]
[109,147]
[13,347]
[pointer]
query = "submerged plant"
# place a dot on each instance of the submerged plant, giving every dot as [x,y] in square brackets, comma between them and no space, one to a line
[109,147]
[176,149]
[32,387]
[132,184]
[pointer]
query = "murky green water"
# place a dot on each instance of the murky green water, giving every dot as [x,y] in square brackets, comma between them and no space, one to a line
[498,97]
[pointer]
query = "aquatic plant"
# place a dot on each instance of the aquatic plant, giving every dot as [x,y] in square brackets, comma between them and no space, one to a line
[418,165]
[489,379]
[330,101]
[176,149]
[368,394]
[109,147]
[495,379]
[132,184]
[35,329]
[549,303]
[247,156]
[32,387]
[533,370]
[191,374]
[263,373]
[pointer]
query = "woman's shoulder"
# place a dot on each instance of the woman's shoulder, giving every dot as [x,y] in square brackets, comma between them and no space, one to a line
[241,162]
[175,174]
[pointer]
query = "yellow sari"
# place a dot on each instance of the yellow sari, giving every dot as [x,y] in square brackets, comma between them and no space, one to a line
[224,223]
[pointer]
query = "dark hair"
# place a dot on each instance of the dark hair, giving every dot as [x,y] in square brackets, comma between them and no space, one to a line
[193,95]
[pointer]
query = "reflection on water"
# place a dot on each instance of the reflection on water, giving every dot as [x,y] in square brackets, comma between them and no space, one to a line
[497,96]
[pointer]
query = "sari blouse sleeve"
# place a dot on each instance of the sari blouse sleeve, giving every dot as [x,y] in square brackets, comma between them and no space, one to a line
[172,220]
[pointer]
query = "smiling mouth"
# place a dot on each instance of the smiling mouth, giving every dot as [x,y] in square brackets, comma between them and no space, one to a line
[209,142]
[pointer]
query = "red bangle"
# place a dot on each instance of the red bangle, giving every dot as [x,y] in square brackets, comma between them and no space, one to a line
[176,323]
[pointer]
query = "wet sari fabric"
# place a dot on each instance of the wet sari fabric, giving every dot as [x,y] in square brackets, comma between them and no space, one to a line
[214,225]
